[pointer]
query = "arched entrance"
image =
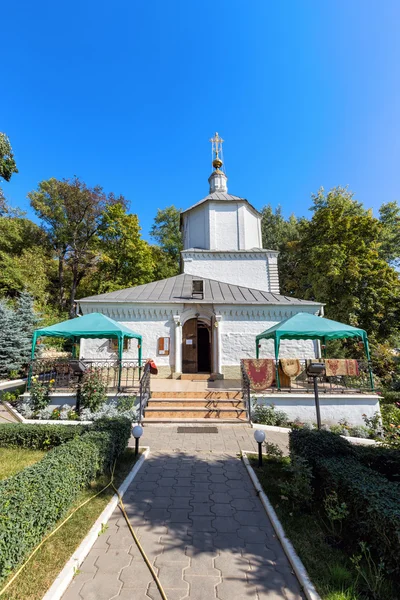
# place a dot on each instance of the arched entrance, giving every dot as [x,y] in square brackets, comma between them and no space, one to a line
[196,346]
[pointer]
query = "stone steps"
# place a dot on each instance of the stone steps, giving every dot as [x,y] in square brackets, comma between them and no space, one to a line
[203,395]
[196,377]
[195,413]
[195,403]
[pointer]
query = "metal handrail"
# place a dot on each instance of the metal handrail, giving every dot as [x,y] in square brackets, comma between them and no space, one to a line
[144,391]
[246,389]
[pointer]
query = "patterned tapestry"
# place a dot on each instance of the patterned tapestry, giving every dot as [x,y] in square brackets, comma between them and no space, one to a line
[261,372]
[291,367]
[341,366]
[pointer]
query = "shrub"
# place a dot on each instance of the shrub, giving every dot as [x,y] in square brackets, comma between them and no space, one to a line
[385,461]
[298,489]
[125,403]
[39,394]
[268,415]
[314,445]
[32,501]
[38,437]
[389,397]
[93,391]
[372,502]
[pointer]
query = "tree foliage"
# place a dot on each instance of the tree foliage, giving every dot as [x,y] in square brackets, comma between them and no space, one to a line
[7,167]
[72,214]
[166,232]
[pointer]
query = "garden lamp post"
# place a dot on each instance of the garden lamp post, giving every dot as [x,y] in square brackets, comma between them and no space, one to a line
[137,433]
[259,436]
[315,370]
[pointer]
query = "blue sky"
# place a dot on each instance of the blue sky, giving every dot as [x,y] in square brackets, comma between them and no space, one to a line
[126,95]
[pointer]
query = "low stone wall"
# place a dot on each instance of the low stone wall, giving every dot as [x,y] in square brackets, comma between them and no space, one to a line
[334,407]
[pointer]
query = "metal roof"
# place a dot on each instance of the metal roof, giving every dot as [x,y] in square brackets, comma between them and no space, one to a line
[221,197]
[178,289]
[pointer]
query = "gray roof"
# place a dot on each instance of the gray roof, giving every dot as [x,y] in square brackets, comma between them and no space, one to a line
[221,197]
[178,289]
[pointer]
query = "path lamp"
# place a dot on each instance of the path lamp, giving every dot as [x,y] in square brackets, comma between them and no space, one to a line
[137,433]
[259,436]
[315,370]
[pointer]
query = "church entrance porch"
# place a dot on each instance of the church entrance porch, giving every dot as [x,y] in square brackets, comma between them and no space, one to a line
[196,346]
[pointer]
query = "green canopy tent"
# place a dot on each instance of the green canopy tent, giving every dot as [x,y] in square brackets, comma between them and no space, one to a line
[93,325]
[304,326]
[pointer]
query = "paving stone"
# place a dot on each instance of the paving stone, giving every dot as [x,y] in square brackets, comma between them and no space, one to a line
[182,491]
[222,510]
[252,534]
[113,561]
[232,588]
[221,498]
[256,518]
[160,502]
[201,496]
[202,509]
[179,515]
[185,502]
[241,493]
[243,504]
[202,563]
[202,588]
[225,524]
[200,487]
[102,587]
[172,554]
[74,588]
[172,594]
[183,481]
[136,575]
[171,575]
[232,564]
[202,524]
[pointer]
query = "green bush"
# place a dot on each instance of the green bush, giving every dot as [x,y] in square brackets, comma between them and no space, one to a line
[389,397]
[316,444]
[38,437]
[93,392]
[385,461]
[266,414]
[32,501]
[373,505]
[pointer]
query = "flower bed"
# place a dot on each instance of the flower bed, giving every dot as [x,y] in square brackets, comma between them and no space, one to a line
[32,501]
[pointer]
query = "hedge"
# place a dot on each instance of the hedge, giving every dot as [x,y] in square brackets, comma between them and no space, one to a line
[373,504]
[32,501]
[371,498]
[38,437]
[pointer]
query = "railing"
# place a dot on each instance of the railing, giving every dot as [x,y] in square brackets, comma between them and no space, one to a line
[144,391]
[302,383]
[246,390]
[64,375]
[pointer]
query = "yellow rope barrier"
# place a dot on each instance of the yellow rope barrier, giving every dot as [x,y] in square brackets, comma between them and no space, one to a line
[111,483]
[138,544]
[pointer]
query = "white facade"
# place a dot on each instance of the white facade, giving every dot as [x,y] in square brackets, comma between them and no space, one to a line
[257,269]
[233,338]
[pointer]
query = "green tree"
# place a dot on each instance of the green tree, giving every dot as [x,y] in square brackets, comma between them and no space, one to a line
[8,350]
[389,215]
[338,262]
[7,167]
[26,321]
[125,259]
[25,259]
[72,214]
[166,232]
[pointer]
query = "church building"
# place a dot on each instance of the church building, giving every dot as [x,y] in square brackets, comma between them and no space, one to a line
[206,319]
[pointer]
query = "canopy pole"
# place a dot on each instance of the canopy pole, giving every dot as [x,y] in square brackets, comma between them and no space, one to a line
[120,350]
[140,356]
[34,338]
[324,345]
[277,344]
[257,348]
[371,375]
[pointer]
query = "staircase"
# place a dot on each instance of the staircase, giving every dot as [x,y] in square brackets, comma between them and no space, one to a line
[195,398]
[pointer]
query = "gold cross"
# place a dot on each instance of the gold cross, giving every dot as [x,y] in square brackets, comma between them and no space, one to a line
[216,142]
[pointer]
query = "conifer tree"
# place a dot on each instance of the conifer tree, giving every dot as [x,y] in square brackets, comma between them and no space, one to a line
[8,351]
[26,321]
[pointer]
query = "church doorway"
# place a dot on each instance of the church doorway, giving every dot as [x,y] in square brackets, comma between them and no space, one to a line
[196,346]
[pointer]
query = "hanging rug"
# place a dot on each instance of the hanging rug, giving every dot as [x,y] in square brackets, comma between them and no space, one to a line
[261,372]
[341,366]
[291,367]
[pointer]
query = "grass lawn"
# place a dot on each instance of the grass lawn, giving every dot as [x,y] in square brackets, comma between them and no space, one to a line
[13,460]
[330,569]
[44,567]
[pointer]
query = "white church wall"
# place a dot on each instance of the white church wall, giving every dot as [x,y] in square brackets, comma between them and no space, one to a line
[248,270]
[150,322]
[334,407]
[238,339]
[252,229]
[196,228]
[225,221]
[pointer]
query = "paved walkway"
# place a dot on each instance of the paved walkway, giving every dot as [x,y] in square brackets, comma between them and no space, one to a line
[200,522]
